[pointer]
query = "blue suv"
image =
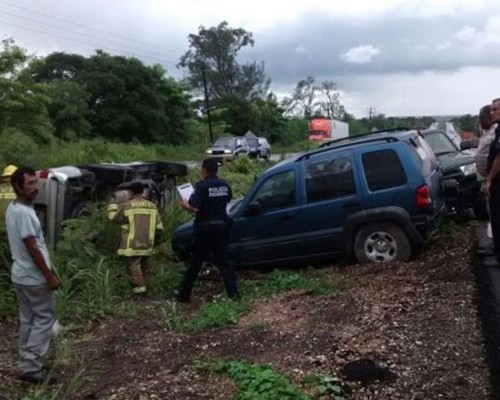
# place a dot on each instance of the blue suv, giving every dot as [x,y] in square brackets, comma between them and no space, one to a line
[376,197]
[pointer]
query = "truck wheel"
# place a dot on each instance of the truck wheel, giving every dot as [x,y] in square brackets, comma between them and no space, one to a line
[381,242]
[479,207]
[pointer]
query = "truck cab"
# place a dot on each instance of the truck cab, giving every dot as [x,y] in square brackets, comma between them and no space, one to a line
[67,192]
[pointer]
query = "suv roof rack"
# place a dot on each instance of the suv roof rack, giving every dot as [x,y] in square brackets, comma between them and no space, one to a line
[326,146]
[396,129]
[325,149]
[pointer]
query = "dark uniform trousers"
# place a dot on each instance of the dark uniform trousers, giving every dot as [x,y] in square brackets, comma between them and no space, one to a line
[495,215]
[210,238]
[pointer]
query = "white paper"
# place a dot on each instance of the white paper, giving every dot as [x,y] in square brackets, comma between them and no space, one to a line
[185,191]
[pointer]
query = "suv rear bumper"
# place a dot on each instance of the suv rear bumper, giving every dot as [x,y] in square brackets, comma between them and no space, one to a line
[428,225]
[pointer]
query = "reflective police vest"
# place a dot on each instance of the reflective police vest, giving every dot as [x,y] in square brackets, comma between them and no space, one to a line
[7,195]
[140,220]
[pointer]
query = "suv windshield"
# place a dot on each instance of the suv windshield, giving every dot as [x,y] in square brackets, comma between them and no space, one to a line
[224,142]
[440,143]
[253,142]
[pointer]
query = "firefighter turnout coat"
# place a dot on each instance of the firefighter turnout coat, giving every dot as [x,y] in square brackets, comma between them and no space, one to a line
[140,220]
[7,195]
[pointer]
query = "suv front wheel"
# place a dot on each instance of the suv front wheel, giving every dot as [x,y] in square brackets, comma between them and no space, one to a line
[381,242]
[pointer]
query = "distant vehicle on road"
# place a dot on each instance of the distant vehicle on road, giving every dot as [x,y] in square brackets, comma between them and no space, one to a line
[376,196]
[259,147]
[322,129]
[459,166]
[228,148]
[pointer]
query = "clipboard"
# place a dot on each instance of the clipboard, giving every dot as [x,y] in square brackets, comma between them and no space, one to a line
[185,191]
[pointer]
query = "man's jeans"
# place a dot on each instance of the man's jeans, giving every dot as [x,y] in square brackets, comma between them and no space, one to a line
[37,314]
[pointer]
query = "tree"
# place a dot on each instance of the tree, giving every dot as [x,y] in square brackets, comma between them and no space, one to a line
[23,104]
[69,109]
[467,122]
[304,101]
[330,102]
[55,67]
[129,101]
[263,116]
[118,97]
[215,50]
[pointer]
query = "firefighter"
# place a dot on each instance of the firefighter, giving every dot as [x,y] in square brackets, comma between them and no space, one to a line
[141,227]
[7,193]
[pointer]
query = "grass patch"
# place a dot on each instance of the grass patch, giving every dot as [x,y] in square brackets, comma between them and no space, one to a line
[454,226]
[263,382]
[223,312]
[216,314]
[256,381]
[280,281]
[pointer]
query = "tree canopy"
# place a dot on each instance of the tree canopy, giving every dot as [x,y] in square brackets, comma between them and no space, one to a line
[215,51]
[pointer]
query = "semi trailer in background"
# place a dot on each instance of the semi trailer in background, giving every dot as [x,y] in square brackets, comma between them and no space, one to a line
[322,129]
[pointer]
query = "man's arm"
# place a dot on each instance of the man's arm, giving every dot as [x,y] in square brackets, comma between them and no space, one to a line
[495,169]
[117,214]
[40,263]
[196,199]
[185,205]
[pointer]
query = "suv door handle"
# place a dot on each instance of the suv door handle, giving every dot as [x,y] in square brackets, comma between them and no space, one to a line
[285,216]
[351,204]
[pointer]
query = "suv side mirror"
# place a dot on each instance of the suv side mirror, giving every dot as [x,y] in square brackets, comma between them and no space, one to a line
[253,208]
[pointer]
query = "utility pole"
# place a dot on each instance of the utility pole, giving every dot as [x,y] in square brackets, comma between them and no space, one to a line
[371,113]
[207,106]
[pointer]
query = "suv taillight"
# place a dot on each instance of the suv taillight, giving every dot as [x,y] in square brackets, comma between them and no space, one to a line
[423,198]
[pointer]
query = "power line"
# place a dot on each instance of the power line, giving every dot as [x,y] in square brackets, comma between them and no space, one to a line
[155,54]
[77,40]
[37,12]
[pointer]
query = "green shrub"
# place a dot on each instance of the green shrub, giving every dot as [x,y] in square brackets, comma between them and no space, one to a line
[256,381]
[216,314]
[263,382]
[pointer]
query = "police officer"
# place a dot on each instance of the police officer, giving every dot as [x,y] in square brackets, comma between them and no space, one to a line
[208,202]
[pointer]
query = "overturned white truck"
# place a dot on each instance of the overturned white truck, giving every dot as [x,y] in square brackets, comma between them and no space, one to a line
[67,192]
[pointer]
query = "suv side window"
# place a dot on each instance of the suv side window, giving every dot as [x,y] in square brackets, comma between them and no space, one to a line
[383,170]
[425,155]
[329,179]
[277,192]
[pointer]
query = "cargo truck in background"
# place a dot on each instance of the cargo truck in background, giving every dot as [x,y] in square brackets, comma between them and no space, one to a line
[322,129]
[68,192]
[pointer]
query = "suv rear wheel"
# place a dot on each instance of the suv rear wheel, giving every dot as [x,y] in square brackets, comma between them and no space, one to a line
[381,242]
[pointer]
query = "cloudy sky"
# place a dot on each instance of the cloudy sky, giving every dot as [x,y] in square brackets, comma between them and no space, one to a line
[402,57]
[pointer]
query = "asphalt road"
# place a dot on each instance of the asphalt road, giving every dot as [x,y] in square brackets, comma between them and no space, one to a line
[274,158]
[488,300]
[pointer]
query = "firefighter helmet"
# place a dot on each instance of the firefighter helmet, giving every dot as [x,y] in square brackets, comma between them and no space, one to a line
[9,170]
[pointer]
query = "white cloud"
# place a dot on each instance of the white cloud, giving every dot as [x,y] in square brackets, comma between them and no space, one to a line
[301,49]
[444,46]
[477,39]
[466,34]
[437,93]
[361,54]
